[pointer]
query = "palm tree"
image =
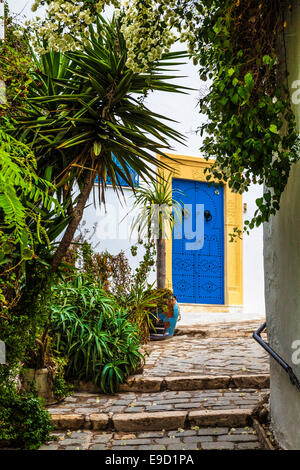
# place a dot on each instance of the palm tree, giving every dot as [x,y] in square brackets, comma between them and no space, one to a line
[159,207]
[86,106]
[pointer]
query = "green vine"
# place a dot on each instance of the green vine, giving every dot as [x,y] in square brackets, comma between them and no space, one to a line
[250,129]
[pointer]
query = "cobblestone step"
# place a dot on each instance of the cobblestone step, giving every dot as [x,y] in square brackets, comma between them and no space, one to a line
[151,421]
[193,391]
[160,410]
[205,357]
[129,402]
[195,438]
[141,384]
[226,330]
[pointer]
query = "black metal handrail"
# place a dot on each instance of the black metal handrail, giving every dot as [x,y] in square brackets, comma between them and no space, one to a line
[257,336]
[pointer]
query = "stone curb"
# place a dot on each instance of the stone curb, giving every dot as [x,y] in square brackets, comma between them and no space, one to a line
[68,421]
[250,381]
[143,384]
[149,421]
[262,436]
[168,420]
[185,383]
[230,418]
[209,334]
[197,383]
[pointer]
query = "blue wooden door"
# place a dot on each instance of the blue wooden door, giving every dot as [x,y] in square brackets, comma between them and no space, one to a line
[198,275]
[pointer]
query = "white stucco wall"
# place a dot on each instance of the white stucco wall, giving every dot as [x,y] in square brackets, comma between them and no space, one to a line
[282,275]
[114,226]
[253,265]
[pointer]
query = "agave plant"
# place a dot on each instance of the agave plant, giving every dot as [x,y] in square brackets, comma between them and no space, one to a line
[159,207]
[85,107]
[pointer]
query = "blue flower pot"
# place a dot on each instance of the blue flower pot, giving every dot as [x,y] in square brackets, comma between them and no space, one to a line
[169,332]
[173,320]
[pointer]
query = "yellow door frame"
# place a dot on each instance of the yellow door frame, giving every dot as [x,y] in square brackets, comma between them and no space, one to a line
[192,168]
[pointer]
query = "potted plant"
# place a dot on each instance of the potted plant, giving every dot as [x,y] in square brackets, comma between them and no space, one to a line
[165,315]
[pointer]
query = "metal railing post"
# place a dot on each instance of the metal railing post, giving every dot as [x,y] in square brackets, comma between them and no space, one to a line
[257,336]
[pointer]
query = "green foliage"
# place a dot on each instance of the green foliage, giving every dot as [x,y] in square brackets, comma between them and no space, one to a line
[27,205]
[147,263]
[61,388]
[164,297]
[251,127]
[15,64]
[24,423]
[108,114]
[22,193]
[22,322]
[94,334]
[159,206]
[130,290]
[140,301]
[113,272]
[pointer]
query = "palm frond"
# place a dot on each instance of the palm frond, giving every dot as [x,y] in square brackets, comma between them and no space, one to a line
[85,98]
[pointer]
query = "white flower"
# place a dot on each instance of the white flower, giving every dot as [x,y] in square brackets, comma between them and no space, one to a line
[18,34]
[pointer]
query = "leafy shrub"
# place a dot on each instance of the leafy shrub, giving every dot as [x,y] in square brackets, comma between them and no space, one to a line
[164,298]
[141,301]
[24,423]
[61,389]
[112,271]
[94,334]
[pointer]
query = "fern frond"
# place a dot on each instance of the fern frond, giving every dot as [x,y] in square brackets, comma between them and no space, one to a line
[23,193]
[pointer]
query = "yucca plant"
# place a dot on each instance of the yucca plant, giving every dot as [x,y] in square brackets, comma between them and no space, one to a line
[159,207]
[86,106]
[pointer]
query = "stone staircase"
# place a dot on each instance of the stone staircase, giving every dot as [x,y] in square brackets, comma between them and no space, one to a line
[174,413]
[174,410]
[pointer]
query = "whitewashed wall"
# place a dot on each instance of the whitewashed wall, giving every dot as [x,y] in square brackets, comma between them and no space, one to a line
[253,266]
[114,226]
[282,272]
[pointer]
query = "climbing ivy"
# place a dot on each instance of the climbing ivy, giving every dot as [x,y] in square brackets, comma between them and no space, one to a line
[250,129]
[14,65]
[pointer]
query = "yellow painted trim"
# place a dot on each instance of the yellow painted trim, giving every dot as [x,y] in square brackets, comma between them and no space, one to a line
[192,168]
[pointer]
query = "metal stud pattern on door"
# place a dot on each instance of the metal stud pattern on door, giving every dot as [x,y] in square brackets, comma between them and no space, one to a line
[198,276]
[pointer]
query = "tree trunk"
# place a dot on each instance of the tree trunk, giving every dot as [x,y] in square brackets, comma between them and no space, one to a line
[161,263]
[73,225]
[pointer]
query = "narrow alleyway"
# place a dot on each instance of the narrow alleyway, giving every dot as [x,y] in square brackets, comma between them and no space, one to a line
[197,391]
